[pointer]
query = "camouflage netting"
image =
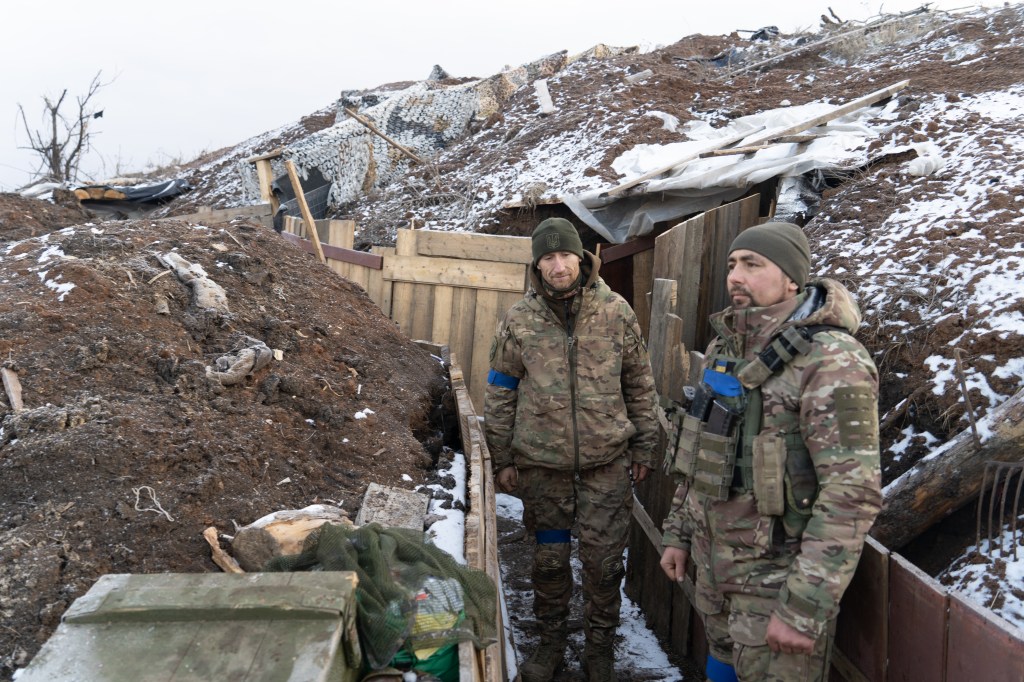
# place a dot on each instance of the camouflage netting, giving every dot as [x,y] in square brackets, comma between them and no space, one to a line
[403,581]
[424,118]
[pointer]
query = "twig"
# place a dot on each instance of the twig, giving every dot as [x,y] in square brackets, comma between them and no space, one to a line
[158,509]
[156,277]
[957,353]
[233,238]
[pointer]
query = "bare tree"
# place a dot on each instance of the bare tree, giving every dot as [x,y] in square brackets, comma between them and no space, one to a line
[63,139]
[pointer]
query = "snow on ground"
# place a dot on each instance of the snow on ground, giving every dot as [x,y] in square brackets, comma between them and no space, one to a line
[976,574]
[637,654]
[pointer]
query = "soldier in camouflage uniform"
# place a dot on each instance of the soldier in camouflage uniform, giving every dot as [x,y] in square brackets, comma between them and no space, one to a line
[570,419]
[775,509]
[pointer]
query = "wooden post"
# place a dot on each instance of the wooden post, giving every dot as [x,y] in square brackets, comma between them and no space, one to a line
[376,131]
[304,207]
[13,388]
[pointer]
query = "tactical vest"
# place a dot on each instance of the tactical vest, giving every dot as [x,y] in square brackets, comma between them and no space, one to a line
[725,444]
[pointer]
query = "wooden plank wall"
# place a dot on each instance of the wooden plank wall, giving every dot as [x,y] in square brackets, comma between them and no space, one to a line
[683,278]
[453,288]
[481,528]
[443,287]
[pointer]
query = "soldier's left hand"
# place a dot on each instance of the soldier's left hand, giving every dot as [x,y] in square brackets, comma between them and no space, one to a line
[639,471]
[781,638]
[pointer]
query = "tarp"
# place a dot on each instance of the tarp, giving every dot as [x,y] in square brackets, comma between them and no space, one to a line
[705,183]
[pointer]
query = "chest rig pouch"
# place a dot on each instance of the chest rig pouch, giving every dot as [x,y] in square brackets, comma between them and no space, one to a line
[703,449]
[718,444]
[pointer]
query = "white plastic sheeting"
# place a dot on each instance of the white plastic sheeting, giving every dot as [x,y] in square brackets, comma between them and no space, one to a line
[704,183]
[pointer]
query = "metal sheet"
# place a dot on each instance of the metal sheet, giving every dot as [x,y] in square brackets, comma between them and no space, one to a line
[862,631]
[982,646]
[917,624]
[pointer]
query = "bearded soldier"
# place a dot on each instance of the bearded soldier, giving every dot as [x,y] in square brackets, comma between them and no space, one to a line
[779,465]
[570,419]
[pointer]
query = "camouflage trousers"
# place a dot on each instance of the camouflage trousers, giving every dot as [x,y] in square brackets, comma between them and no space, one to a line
[599,501]
[736,635]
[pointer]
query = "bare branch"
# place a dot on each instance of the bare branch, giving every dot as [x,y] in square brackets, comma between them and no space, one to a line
[68,139]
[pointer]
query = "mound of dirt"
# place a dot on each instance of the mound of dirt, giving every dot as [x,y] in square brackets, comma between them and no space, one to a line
[24,217]
[158,402]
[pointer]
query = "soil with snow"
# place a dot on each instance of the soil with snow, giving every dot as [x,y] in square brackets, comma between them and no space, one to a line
[933,259]
[126,450]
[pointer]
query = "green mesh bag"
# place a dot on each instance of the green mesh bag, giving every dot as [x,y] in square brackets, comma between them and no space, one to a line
[401,578]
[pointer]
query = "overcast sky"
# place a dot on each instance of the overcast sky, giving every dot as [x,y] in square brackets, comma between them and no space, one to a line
[189,76]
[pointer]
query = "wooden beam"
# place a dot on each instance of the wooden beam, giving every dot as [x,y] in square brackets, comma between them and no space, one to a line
[643,519]
[273,154]
[376,131]
[489,247]
[616,252]
[338,253]
[12,386]
[716,144]
[300,196]
[842,110]
[455,273]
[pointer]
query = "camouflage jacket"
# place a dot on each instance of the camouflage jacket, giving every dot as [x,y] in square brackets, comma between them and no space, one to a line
[585,394]
[826,401]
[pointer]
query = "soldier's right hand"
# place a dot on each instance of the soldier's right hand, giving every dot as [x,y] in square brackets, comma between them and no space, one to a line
[508,479]
[673,562]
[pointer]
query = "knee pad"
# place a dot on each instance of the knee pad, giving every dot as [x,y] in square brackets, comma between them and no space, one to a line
[612,570]
[551,562]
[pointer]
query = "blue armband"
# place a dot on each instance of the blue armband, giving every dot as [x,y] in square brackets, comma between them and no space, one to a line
[553,537]
[496,378]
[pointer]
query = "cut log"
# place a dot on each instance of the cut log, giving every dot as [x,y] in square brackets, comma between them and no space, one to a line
[952,477]
[281,534]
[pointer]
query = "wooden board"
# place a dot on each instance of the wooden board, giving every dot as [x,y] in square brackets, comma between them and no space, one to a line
[662,304]
[862,633]
[678,256]
[475,246]
[982,646]
[402,293]
[392,507]
[917,624]
[455,272]
[643,278]
[441,325]
[485,321]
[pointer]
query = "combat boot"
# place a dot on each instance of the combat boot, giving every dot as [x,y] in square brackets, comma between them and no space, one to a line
[545,661]
[599,655]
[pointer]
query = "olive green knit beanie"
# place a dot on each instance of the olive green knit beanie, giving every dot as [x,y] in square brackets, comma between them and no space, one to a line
[784,244]
[556,234]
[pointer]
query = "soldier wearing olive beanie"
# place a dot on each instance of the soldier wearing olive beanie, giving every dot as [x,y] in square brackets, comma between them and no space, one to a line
[556,234]
[784,244]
